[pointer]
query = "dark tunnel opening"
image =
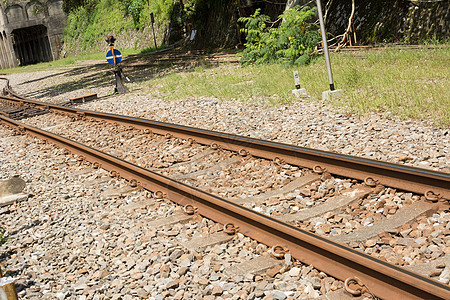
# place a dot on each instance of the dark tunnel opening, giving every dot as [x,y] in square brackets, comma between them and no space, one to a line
[31,45]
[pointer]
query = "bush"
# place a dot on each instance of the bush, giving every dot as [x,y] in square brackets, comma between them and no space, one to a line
[292,42]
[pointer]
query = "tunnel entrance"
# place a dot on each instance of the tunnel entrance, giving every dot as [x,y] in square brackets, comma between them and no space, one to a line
[31,45]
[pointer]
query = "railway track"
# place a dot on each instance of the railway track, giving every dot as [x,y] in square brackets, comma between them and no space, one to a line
[326,209]
[20,112]
[179,57]
[386,46]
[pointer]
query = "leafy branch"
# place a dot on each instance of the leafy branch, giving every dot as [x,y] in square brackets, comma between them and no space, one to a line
[292,42]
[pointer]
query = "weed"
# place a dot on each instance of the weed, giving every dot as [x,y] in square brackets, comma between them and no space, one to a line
[3,238]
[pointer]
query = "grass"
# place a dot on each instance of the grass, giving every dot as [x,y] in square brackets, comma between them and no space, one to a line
[151,49]
[410,84]
[226,82]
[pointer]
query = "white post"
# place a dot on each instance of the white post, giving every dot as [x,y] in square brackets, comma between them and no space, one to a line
[332,93]
[325,46]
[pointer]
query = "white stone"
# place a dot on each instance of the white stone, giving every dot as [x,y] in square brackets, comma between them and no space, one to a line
[300,92]
[294,272]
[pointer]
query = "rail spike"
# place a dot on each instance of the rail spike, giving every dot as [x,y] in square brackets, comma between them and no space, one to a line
[159,195]
[279,161]
[243,152]
[369,181]
[215,146]
[190,209]
[230,228]
[190,141]
[319,170]
[359,289]
[432,196]
[278,251]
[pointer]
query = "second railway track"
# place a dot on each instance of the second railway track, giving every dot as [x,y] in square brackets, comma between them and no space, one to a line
[279,188]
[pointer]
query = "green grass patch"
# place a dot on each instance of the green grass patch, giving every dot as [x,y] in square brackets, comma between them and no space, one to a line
[227,82]
[57,64]
[406,83]
[151,49]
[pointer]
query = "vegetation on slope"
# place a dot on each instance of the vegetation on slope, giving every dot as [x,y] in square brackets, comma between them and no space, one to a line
[89,23]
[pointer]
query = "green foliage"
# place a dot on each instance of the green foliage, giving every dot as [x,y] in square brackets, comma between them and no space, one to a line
[352,77]
[88,23]
[140,11]
[94,19]
[161,9]
[291,43]
[3,238]
[39,7]
[133,8]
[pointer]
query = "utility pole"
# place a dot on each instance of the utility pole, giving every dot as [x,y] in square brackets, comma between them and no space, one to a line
[332,93]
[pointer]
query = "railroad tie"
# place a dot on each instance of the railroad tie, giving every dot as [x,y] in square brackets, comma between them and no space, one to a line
[354,194]
[291,186]
[257,265]
[222,164]
[170,220]
[194,159]
[199,244]
[117,192]
[143,204]
[83,171]
[426,268]
[403,216]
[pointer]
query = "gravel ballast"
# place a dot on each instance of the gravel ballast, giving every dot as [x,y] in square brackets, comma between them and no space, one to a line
[71,240]
[84,235]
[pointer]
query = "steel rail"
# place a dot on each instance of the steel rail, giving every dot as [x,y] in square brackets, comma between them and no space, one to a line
[412,179]
[383,280]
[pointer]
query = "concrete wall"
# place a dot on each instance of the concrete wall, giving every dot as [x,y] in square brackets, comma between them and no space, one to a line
[30,32]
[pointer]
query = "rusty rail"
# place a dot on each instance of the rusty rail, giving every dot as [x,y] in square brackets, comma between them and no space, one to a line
[384,280]
[434,185]
[387,46]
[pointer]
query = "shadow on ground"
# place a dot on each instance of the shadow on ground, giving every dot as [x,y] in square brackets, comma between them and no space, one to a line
[138,68]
